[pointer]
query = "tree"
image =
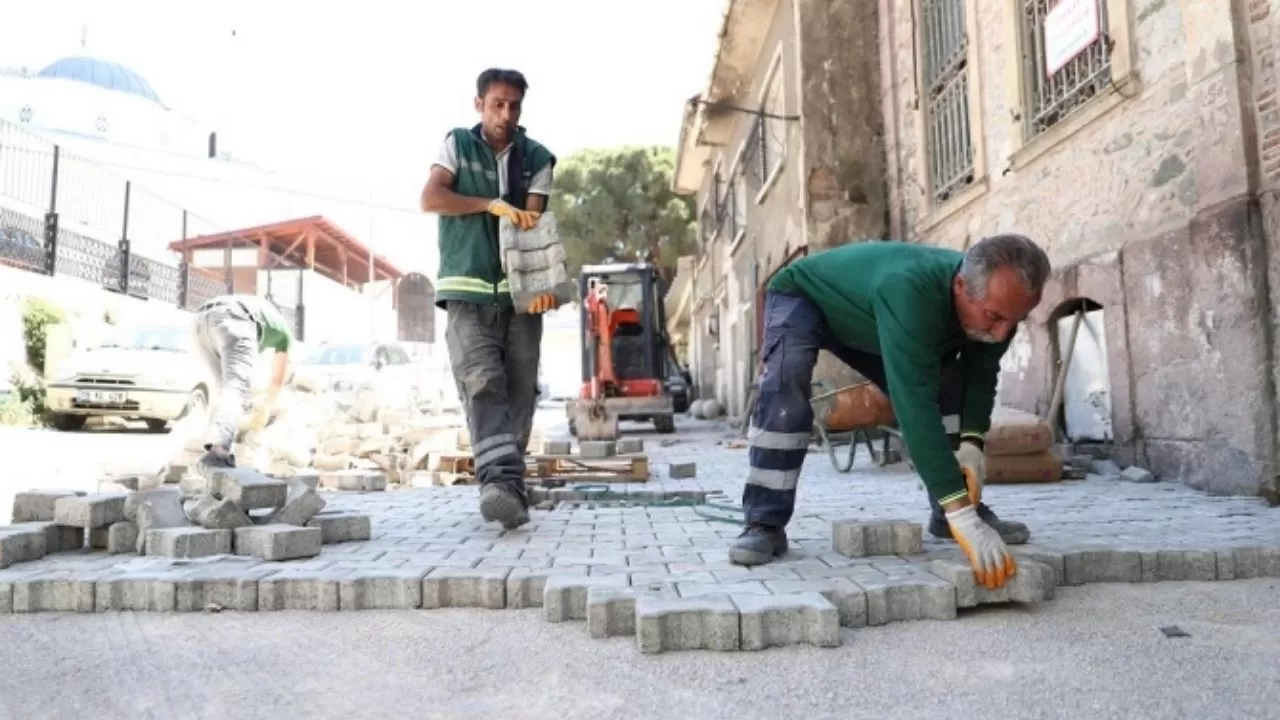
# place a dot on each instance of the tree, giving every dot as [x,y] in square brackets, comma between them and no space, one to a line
[618,203]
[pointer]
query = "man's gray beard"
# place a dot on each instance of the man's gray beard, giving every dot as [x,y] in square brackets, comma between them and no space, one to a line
[982,337]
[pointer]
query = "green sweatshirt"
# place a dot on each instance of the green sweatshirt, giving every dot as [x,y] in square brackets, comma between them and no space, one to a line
[895,299]
[274,328]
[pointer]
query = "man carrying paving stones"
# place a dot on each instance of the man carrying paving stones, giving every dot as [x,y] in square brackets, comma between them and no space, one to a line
[928,326]
[230,332]
[481,174]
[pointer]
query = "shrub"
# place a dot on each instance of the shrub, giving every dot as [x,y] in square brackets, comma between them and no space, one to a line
[14,411]
[37,315]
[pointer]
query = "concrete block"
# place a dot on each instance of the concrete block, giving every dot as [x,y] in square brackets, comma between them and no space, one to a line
[354,480]
[89,511]
[277,542]
[384,589]
[630,446]
[707,622]
[56,591]
[447,587]
[211,513]
[159,511]
[853,538]
[611,610]
[21,544]
[38,505]
[1191,565]
[187,542]
[848,597]
[57,538]
[1102,566]
[1248,562]
[249,489]
[526,585]
[597,449]
[339,527]
[220,587]
[682,471]
[920,596]
[193,486]
[1136,474]
[7,580]
[98,538]
[302,589]
[778,620]
[1032,583]
[301,504]
[1055,560]
[140,591]
[122,537]
[564,597]
[557,447]
[136,500]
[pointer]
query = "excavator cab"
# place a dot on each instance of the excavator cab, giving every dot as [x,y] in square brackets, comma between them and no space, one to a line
[624,352]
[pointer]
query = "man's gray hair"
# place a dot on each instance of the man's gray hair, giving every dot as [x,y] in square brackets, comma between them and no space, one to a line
[1015,251]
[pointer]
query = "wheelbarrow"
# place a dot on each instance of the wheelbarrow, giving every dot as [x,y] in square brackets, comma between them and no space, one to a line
[850,416]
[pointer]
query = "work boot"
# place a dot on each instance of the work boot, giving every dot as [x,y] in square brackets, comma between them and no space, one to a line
[1013,533]
[757,545]
[503,503]
[211,461]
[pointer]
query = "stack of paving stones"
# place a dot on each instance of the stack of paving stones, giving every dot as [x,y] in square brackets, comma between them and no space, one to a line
[642,562]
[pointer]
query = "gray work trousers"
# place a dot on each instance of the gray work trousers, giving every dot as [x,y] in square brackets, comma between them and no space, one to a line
[494,352]
[227,338]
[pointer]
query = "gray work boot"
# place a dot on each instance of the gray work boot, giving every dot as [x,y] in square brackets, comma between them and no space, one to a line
[211,461]
[503,503]
[1013,533]
[757,545]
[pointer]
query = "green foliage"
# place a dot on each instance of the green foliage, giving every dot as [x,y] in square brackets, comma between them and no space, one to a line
[37,315]
[15,411]
[616,203]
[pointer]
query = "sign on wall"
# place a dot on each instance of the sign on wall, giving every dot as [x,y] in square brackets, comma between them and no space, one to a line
[1069,28]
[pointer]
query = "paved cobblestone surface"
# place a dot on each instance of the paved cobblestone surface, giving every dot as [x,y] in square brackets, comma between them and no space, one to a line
[662,573]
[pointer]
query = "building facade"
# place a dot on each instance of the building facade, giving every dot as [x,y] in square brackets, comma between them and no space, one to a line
[1138,141]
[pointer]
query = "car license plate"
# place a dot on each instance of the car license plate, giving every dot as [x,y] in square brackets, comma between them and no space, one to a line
[102,397]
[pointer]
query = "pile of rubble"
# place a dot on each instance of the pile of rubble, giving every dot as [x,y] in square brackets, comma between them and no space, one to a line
[235,511]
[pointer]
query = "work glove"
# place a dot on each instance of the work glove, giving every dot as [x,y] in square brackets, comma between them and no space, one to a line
[523,219]
[990,559]
[260,417]
[543,303]
[973,463]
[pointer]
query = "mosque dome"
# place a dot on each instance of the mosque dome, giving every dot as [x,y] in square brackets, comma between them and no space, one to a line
[103,74]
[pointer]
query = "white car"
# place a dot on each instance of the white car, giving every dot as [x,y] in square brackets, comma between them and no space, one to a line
[142,372]
[346,368]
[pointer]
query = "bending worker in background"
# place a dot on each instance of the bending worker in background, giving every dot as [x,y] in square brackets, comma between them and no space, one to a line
[490,171]
[230,332]
[928,326]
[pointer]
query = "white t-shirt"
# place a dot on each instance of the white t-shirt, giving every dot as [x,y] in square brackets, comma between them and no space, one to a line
[447,158]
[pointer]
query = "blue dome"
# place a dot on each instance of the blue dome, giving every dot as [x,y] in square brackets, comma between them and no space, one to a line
[111,76]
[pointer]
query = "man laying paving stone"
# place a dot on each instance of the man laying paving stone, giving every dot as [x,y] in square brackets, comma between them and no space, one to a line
[231,332]
[491,171]
[928,326]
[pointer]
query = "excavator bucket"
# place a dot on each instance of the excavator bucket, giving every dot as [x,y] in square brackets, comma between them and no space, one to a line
[592,420]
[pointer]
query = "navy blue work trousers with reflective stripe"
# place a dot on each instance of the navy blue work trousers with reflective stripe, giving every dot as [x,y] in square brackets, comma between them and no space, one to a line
[794,332]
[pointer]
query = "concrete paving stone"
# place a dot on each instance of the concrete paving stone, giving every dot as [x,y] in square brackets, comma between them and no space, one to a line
[849,599]
[220,587]
[19,544]
[186,542]
[300,589]
[682,470]
[597,449]
[630,446]
[212,513]
[525,586]
[158,511]
[57,538]
[135,500]
[382,589]
[38,505]
[1248,562]
[564,597]
[745,587]
[98,538]
[249,489]
[448,587]
[557,447]
[277,542]
[122,537]
[1100,566]
[340,527]
[143,590]
[88,511]
[7,579]
[1056,561]
[856,538]
[1173,565]
[1032,583]
[354,480]
[301,504]
[780,620]
[57,591]
[193,486]
[708,622]
[611,611]
[919,596]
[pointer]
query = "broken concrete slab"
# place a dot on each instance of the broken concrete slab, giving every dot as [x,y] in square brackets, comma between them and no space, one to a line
[156,512]
[340,527]
[38,505]
[707,622]
[89,511]
[301,504]
[277,542]
[186,542]
[795,619]
[211,513]
[465,587]
[249,489]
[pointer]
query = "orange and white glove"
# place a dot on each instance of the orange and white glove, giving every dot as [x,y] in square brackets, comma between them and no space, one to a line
[973,463]
[260,417]
[523,219]
[543,303]
[988,556]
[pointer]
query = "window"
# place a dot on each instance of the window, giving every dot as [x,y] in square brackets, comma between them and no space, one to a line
[770,129]
[730,210]
[1051,98]
[739,205]
[944,51]
[707,222]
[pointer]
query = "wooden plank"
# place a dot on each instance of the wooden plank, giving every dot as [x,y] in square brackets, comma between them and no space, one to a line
[546,468]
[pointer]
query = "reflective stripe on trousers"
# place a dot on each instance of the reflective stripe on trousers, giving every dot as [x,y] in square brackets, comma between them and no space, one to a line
[227,339]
